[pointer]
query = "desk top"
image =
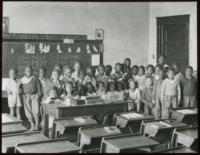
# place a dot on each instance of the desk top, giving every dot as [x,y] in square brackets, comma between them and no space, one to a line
[96,132]
[130,142]
[131,116]
[13,128]
[12,140]
[52,146]
[6,118]
[189,132]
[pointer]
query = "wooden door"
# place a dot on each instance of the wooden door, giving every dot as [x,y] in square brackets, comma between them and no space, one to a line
[173,39]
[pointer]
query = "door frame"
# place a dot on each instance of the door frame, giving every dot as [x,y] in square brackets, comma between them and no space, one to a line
[171,20]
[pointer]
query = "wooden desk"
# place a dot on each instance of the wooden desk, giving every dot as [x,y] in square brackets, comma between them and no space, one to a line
[187,118]
[126,143]
[186,136]
[161,133]
[9,141]
[91,136]
[59,110]
[48,146]
[180,149]
[6,118]
[133,124]
[12,127]
[69,126]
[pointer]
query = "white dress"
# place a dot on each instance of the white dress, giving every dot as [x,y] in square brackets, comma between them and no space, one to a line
[14,99]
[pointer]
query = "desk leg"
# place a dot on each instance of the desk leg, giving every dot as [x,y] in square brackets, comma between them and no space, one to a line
[54,132]
[45,125]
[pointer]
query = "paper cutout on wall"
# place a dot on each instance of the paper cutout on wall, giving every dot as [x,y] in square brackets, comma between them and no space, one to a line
[88,49]
[12,51]
[78,50]
[69,49]
[95,59]
[94,48]
[58,49]
[44,48]
[29,48]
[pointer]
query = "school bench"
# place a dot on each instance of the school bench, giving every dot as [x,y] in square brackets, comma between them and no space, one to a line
[187,136]
[127,144]
[179,149]
[11,140]
[185,115]
[68,127]
[47,146]
[131,120]
[90,137]
[60,110]
[161,130]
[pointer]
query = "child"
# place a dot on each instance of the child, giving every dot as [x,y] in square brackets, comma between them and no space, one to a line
[32,92]
[120,90]
[108,70]
[90,76]
[189,87]
[157,94]
[127,66]
[134,96]
[77,68]
[118,75]
[45,83]
[170,93]
[134,71]
[52,96]
[140,78]
[55,82]
[68,94]
[90,90]
[147,95]
[101,76]
[13,89]
[59,69]
[79,89]
[67,75]
[101,91]
[162,62]
[178,74]
[150,71]
[112,94]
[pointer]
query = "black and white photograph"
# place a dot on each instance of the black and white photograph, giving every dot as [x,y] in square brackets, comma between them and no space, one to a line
[99,77]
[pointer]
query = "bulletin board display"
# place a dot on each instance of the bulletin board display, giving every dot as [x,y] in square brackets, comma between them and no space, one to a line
[43,54]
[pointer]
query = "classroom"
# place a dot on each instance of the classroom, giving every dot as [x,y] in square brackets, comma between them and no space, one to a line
[99,77]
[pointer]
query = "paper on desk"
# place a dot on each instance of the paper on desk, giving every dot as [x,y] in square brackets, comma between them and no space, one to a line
[163,123]
[95,59]
[132,115]
[187,111]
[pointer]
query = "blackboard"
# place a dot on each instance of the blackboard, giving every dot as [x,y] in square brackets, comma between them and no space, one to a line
[20,54]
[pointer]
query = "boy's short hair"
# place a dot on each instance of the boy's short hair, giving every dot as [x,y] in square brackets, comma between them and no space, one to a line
[101,65]
[28,66]
[190,67]
[41,68]
[127,59]
[118,64]
[13,69]
[159,66]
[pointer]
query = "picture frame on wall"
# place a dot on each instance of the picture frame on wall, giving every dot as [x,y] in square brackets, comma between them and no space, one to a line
[5,25]
[99,34]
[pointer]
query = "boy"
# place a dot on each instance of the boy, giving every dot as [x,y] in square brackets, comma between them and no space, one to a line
[32,92]
[140,78]
[118,75]
[101,75]
[189,88]
[13,89]
[178,74]
[134,71]
[150,71]
[108,70]
[147,96]
[126,67]
[59,69]
[162,61]
[44,82]
[90,76]
[157,94]
[67,75]
[170,93]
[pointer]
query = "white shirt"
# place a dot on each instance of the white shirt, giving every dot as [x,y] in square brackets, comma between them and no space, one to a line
[141,81]
[13,85]
[135,95]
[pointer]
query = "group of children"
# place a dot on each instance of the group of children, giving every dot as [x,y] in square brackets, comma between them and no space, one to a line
[152,90]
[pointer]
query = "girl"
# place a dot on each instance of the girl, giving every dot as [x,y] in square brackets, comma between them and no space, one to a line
[68,94]
[118,75]
[45,83]
[101,91]
[32,92]
[134,96]
[55,82]
[112,94]
[134,71]
[150,71]
[120,90]
[52,96]
[77,68]
[90,90]
[101,76]
[147,96]
[90,76]
[140,78]
[67,75]
[13,88]
[178,75]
